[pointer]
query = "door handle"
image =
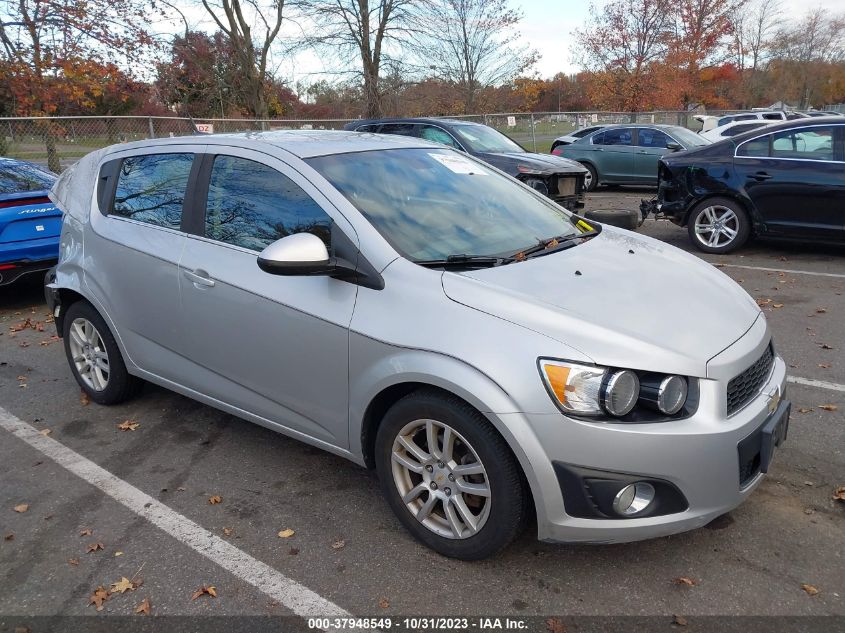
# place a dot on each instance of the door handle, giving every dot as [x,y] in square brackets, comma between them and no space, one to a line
[760,175]
[199,278]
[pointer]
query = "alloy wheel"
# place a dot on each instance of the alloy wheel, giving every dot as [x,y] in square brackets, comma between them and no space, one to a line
[716,226]
[440,479]
[89,354]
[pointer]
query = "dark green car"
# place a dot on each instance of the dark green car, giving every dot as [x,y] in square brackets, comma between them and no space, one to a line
[628,154]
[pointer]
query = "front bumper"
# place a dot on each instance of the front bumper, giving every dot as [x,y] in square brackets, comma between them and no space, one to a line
[698,456]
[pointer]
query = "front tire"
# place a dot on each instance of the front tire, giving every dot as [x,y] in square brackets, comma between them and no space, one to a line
[94,357]
[591,180]
[718,225]
[449,476]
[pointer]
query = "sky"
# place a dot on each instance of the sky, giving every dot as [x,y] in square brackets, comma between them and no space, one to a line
[547,26]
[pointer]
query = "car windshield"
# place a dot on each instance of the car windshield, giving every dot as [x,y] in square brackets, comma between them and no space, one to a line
[21,177]
[481,138]
[430,204]
[688,138]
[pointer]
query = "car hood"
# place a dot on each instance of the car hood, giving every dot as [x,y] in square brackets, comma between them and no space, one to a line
[621,299]
[545,163]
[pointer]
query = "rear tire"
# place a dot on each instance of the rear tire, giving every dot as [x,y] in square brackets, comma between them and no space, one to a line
[94,357]
[718,225]
[430,484]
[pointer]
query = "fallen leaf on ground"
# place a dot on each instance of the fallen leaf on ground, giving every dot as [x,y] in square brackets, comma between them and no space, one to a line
[72,561]
[122,586]
[384,603]
[683,580]
[84,400]
[9,537]
[824,365]
[339,544]
[810,589]
[22,507]
[144,607]
[763,302]
[128,425]
[205,589]
[215,499]
[118,553]
[820,310]
[679,620]
[293,551]
[94,547]
[97,598]
[44,432]
[828,407]
[228,531]
[553,625]
[825,346]
[805,409]
[777,305]
[839,494]
[286,533]
[86,532]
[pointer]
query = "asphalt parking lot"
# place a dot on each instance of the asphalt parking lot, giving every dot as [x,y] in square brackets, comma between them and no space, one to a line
[149,518]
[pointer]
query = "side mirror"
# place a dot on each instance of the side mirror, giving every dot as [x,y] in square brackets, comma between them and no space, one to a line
[673,147]
[298,254]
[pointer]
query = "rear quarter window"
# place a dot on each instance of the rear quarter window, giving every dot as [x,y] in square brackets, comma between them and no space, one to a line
[151,188]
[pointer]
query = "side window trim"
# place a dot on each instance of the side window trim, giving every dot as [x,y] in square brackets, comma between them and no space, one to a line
[193,217]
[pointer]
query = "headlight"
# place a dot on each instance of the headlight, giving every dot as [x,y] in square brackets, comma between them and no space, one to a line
[538,185]
[576,388]
[586,390]
[620,392]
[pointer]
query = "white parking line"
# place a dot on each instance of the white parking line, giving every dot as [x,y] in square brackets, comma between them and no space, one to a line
[779,270]
[821,384]
[286,591]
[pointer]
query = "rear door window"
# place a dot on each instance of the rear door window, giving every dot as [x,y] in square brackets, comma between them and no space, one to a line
[152,188]
[438,135]
[402,129]
[815,143]
[615,136]
[739,129]
[252,205]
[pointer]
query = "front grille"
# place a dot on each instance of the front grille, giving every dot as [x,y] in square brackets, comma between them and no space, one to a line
[743,388]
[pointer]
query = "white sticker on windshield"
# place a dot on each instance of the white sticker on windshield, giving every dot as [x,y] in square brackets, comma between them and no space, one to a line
[459,164]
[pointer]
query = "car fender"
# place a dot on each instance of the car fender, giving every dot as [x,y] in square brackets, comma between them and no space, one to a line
[380,366]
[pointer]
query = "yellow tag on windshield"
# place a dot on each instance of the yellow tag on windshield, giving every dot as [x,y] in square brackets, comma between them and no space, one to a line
[583,225]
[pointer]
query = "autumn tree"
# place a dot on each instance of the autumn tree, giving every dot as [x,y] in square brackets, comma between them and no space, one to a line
[53,52]
[702,31]
[471,44]
[362,30]
[755,26]
[620,48]
[250,47]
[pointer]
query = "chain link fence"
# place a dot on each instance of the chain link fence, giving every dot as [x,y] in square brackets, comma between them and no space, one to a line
[59,141]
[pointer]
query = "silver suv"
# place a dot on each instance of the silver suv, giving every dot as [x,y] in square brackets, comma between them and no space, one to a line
[415,310]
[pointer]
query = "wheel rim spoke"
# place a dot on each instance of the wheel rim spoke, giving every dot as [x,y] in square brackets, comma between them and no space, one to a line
[440,479]
[88,354]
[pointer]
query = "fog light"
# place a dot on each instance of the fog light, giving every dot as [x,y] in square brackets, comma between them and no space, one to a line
[633,498]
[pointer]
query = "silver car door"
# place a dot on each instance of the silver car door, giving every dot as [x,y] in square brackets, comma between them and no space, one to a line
[274,346]
[136,241]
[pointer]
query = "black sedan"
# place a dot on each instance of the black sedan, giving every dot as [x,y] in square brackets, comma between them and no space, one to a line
[560,179]
[785,181]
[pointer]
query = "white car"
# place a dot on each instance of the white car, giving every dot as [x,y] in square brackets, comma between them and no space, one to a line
[710,122]
[732,129]
[568,139]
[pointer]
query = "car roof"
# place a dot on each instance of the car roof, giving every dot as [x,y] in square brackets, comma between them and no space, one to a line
[300,143]
[778,126]
[659,126]
[429,121]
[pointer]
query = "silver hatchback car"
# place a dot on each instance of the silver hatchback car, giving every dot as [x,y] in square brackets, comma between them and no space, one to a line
[414,310]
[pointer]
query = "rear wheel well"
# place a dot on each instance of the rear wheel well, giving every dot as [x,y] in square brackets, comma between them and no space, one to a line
[386,398]
[67,297]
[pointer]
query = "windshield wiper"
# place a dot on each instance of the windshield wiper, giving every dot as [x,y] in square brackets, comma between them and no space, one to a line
[552,245]
[465,261]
